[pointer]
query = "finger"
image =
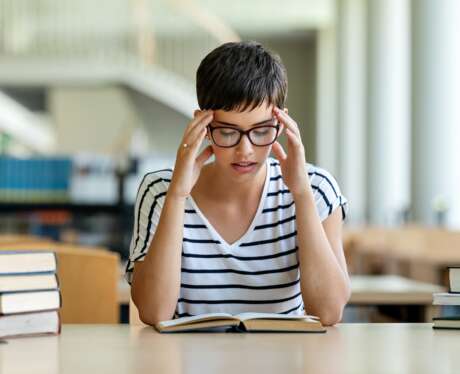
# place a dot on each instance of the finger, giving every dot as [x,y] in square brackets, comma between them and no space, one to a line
[204,156]
[189,147]
[279,152]
[198,132]
[193,147]
[286,120]
[293,138]
[197,121]
[194,131]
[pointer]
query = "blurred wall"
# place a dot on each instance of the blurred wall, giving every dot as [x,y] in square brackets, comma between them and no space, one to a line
[97,119]
[298,53]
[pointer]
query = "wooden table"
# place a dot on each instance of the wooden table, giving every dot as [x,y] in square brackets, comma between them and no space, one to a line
[419,253]
[347,348]
[391,289]
[395,291]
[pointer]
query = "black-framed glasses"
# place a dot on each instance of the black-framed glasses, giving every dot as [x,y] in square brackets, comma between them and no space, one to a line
[227,137]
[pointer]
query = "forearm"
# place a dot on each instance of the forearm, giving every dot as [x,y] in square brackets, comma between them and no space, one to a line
[156,281]
[324,282]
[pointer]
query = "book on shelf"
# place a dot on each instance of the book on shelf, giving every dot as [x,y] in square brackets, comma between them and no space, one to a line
[31,301]
[27,262]
[454,279]
[447,323]
[32,282]
[249,322]
[30,324]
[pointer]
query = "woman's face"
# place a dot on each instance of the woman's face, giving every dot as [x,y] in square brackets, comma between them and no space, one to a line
[244,160]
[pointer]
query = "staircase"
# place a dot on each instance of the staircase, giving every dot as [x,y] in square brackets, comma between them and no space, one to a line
[150,48]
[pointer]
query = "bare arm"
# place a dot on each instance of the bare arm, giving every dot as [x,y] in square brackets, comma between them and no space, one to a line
[323,271]
[156,280]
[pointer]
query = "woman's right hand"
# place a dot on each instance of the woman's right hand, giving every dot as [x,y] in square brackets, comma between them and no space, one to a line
[188,163]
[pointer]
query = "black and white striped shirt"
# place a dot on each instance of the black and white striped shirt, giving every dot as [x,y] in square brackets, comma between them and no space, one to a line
[257,273]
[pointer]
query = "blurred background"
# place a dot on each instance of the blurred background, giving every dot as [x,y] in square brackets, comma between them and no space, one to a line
[95,95]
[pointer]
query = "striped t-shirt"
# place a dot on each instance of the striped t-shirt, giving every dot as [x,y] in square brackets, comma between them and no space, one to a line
[257,273]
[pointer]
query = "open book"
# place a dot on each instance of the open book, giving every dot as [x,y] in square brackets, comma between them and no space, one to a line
[243,322]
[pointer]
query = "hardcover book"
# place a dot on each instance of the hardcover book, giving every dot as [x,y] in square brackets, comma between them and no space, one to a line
[30,324]
[23,302]
[446,323]
[446,298]
[26,262]
[33,282]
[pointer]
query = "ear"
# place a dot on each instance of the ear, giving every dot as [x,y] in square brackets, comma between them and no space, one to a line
[286,110]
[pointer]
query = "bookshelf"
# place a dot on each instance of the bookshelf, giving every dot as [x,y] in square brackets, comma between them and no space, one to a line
[81,200]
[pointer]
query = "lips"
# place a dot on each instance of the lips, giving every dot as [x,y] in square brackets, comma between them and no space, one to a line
[244,167]
[244,163]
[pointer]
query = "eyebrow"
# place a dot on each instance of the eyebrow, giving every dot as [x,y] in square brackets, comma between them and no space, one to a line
[254,124]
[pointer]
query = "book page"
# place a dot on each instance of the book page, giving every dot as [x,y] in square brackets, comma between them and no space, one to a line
[195,319]
[248,316]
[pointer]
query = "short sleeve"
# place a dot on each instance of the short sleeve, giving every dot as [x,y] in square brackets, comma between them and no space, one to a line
[326,190]
[147,210]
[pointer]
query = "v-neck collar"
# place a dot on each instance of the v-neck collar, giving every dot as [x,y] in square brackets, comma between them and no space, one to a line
[254,220]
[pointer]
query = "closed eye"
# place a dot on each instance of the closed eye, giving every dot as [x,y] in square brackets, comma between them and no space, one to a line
[227,132]
[261,132]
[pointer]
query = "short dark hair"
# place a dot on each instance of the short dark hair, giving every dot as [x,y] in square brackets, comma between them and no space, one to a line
[240,75]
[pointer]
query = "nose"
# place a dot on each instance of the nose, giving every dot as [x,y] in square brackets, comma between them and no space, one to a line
[244,147]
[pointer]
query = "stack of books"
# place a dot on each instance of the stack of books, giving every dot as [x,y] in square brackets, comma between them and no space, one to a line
[450,299]
[29,294]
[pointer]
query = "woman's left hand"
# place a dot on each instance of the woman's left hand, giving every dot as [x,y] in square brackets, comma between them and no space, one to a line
[293,163]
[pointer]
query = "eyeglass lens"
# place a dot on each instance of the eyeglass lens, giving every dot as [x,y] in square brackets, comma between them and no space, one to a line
[228,137]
